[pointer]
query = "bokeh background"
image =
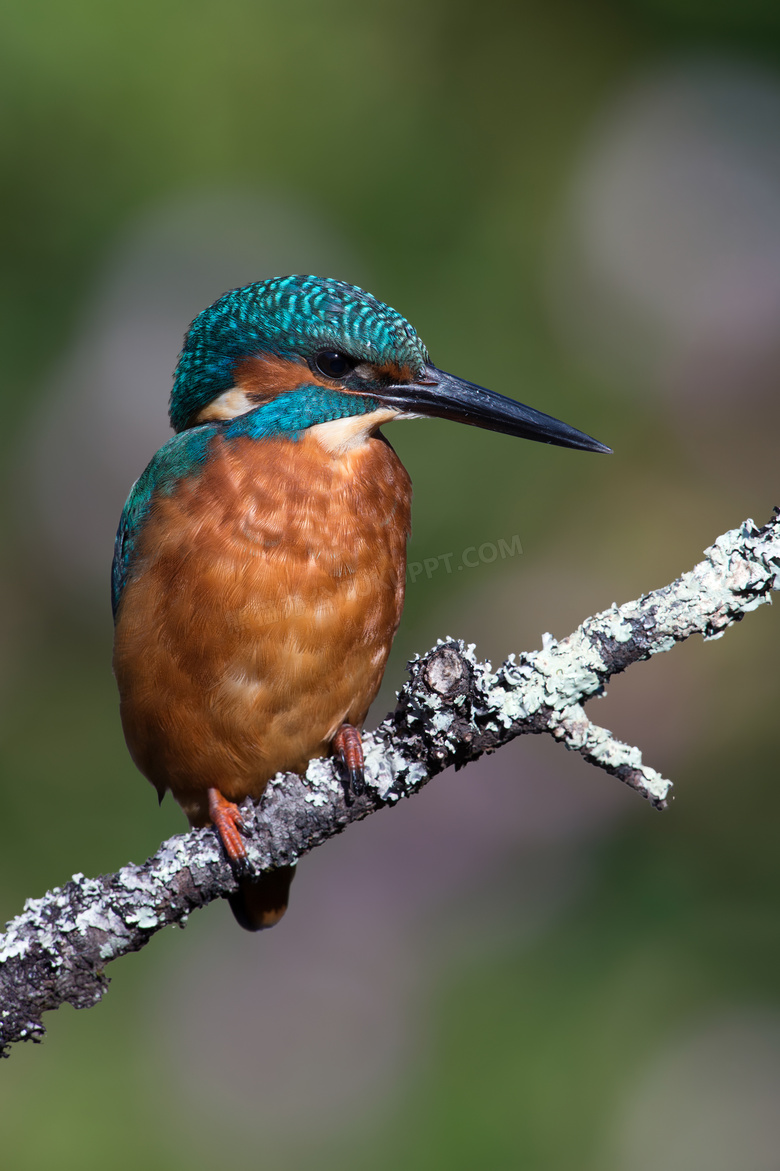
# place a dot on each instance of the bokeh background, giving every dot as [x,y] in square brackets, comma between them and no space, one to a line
[577,204]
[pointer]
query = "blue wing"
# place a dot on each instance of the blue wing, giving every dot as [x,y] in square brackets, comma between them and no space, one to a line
[119,564]
[183,455]
[133,515]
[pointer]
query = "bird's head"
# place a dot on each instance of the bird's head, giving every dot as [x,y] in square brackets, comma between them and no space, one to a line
[330,351]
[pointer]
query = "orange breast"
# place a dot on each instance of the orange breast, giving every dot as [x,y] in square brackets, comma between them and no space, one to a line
[259,612]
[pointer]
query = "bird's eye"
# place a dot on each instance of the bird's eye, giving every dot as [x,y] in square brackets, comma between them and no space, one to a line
[334,364]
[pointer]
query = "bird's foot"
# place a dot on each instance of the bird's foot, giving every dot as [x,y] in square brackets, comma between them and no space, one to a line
[226,819]
[348,749]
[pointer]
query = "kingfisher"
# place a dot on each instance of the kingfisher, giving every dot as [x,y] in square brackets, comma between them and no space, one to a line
[260,562]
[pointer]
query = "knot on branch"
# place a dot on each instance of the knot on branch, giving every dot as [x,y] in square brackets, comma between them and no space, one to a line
[446,672]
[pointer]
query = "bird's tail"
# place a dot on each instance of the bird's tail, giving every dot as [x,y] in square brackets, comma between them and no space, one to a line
[260,902]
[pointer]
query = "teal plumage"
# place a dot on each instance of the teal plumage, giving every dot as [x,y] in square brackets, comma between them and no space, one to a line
[288,317]
[290,414]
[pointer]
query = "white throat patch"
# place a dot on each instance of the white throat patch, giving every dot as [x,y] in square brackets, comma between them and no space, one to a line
[341,435]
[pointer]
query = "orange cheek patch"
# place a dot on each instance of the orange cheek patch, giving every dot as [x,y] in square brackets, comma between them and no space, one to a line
[263,378]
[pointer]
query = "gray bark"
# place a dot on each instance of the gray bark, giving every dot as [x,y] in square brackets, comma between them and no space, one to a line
[452,710]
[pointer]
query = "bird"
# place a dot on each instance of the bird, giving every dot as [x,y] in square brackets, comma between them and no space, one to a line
[260,561]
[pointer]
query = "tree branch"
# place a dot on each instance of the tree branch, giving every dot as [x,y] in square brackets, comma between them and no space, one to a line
[451,711]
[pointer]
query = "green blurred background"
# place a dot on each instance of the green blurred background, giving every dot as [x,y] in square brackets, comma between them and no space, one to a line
[576,204]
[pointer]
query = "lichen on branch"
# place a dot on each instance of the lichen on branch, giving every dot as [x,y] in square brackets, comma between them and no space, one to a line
[453,709]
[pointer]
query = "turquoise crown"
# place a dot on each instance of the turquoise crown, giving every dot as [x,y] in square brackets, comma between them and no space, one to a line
[292,316]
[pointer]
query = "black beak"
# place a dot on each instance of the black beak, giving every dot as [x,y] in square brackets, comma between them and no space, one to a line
[442,396]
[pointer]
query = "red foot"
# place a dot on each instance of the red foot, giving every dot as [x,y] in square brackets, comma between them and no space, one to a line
[226,819]
[348,748]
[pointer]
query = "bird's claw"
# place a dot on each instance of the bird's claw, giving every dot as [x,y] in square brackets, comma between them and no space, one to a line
[226,819]
[348,749]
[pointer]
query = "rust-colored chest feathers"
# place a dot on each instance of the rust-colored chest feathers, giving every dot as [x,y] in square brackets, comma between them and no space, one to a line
[259,611]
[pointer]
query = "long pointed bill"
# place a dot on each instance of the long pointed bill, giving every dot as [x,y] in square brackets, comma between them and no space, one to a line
[443,396]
